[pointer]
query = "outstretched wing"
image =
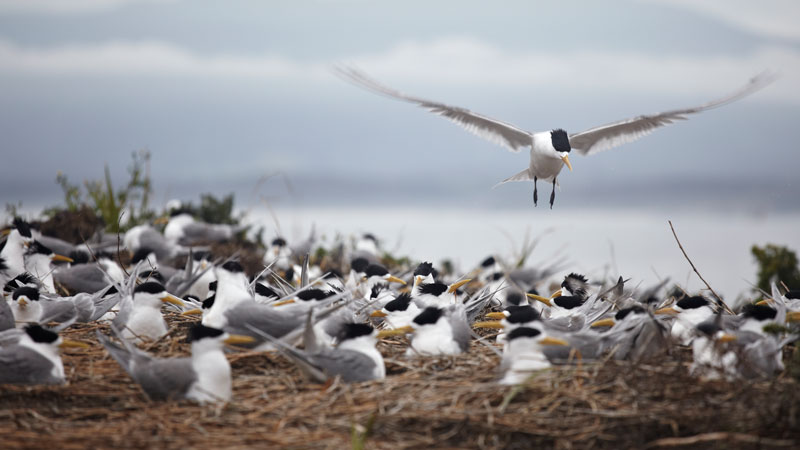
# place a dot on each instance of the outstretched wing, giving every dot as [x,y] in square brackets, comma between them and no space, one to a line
[614,134]
[500,133]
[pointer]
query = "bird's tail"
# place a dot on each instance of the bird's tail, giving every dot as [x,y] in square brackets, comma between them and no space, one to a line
[121,354]
[524,175]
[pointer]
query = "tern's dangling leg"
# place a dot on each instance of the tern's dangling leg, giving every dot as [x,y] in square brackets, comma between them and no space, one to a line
[553,194]
[535,192]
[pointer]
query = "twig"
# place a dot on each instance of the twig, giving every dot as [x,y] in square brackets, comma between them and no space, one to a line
[119,258]
[719,436]
[719,299]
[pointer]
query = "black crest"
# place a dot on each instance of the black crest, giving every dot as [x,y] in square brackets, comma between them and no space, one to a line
[515,298]
[354,330]
[19,281]
[279,242]
[622,313]
[209,302]
[191,298]
[37,247]
[375,270]
[29,292]
[430,315]
[233,266]
[424,269]
[400,303]
[371,237]
[201,255]
[568,301]
[152,275]
[265,291]
[3,265]
[560,140]
[520,332]
[488,262]
[793,294]
[313,294]
[151,287]
[759,312]
[201,331]
[436,289]
[497,275]
[709,327]
[212,286]
[23,227]
[141,254]
[692,302]
[111,291]
[533,291]
[376,290]
[182,210]
[359,265]
[79,257]
[522,314]
[41,335]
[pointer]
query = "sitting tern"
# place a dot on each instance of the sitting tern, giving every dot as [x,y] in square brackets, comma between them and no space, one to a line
[204,377]
[549,150]
[34,358]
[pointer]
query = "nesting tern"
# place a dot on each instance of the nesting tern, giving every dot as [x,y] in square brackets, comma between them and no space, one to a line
[205,377]
[524,353]
[549,150]
[142,319]
[34,358]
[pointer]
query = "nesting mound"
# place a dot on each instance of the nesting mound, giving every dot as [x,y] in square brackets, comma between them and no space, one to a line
[423,402]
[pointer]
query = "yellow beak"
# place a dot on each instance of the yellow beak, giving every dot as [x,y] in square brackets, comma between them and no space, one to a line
[544,300]
[235,339]
[72,344]
[553,341]
[793,316]
[488,324]
[667,310]
[762,302]
[22,302]
[378,313]
[169,298]
[565,158]
[396,332]
[283,302]
[557,293]
[193,312]
[727,338]
[496,315]
[603,323]
[161,220]
[453,287]
[394,279]
[5,232]
[61,258]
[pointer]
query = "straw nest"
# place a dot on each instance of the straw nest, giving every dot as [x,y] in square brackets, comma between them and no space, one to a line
[423,402]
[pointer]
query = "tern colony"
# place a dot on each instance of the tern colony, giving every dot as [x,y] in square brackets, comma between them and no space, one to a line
[339,316]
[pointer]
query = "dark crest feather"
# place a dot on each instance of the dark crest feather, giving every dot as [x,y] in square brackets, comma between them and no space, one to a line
[430,315]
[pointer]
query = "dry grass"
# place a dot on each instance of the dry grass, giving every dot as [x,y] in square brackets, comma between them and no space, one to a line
[442,402]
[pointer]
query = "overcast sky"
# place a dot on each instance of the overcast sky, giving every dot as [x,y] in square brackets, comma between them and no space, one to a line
[226,93]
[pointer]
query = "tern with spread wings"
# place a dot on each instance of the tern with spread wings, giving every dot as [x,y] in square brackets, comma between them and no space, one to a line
[549,150]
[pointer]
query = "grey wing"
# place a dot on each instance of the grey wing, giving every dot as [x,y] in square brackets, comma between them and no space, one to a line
[264,318]
[155,241]
[58,246]
[21,365]
[203,232]
[165,379]
[351,365]
[614,134]
[500,133]
[82,278]
[6,316]
[460,327]
[62,311]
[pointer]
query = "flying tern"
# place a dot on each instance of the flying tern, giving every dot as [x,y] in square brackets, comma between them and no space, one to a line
[549,150]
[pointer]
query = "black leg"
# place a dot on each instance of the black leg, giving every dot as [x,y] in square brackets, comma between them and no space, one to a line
[553,194]
[535,192]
